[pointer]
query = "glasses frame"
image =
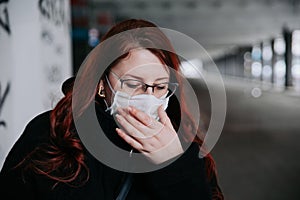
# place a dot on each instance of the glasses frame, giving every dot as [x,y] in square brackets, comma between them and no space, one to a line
[145,86]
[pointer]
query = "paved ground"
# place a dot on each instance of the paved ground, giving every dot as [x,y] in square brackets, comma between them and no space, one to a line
[258,152]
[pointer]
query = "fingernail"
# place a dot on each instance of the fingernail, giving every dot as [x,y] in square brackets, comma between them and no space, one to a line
[118,131]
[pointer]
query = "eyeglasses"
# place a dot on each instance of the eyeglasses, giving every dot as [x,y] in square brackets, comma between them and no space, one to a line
[133,87]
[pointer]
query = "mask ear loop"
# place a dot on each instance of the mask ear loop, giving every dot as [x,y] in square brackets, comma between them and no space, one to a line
[113,91]
[109,85]
[175,87]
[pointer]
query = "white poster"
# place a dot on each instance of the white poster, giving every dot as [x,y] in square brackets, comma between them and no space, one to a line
[35,58]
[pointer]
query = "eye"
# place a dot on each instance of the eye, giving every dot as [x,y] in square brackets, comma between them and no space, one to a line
[162,86]
[132,84]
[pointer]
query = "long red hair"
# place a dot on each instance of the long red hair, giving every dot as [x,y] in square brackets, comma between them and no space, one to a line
[63,159]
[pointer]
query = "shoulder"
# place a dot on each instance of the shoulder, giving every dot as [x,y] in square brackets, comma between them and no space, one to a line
[35,133]
[39,120]
[37,129]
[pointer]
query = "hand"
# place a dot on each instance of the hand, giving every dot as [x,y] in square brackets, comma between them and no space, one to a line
[157,140]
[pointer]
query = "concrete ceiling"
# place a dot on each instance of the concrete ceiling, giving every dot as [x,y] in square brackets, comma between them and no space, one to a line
[218,25]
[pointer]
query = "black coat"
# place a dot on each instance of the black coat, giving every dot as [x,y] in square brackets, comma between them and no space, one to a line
[185,178]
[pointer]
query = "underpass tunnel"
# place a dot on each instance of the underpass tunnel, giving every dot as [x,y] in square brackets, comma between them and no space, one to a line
[242,61]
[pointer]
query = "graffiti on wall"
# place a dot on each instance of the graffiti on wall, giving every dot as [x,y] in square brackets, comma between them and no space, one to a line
[4,17]
[3,96]
[53,10]
[55,32]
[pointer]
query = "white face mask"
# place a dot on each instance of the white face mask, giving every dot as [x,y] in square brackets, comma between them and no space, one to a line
[144,102]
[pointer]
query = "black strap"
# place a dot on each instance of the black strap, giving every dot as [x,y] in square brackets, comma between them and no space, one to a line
[125,188]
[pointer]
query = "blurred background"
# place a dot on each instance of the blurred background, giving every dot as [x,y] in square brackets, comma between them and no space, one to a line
[254,44]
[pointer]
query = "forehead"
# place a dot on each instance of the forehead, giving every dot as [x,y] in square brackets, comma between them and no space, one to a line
[141,62]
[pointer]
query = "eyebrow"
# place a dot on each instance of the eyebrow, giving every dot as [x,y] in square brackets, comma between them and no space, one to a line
[139,78]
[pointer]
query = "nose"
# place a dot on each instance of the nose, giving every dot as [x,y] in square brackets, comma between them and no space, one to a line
[149,90]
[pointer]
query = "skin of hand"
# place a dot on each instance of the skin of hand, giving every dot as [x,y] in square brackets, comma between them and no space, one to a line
[157,140]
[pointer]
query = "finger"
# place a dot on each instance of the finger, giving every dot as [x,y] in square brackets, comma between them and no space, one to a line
[164,119]
[128,127]
[146,131]
[142,117]
[137,142]
[150,139]
[131,141]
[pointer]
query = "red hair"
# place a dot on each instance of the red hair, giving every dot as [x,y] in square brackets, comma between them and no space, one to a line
[66,149]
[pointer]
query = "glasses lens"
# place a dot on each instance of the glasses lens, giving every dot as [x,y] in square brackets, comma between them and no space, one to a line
[138,87]
[161,89]
[132,84]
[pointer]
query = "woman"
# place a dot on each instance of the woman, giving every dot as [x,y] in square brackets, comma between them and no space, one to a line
[50,161]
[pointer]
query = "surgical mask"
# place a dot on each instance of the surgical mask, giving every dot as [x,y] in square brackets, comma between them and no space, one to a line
[144,102]
[147,103]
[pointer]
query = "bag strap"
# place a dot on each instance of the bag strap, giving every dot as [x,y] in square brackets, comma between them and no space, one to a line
[125,188]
